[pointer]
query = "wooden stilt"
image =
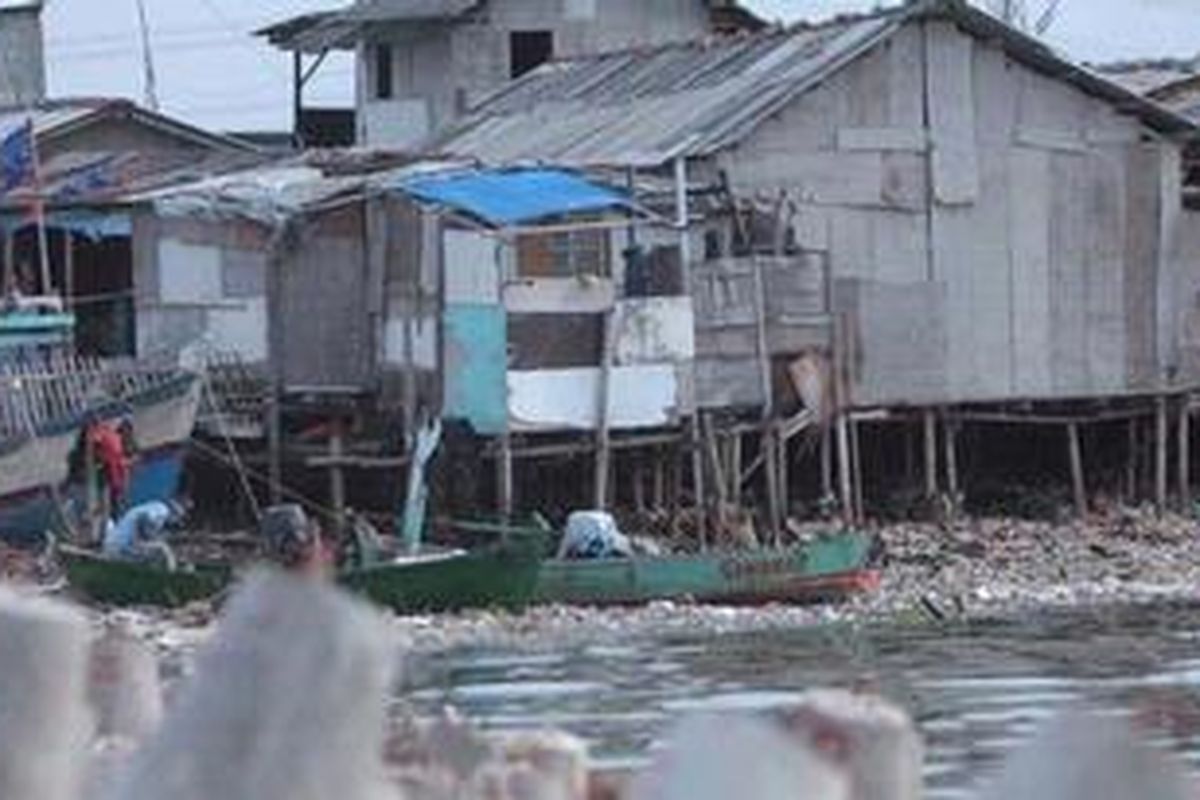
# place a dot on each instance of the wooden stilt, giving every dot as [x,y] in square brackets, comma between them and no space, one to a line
[1078,483]
[785,494]
[770,444]
[504,476]
[860,508]
[660,480]
[1185,455]
[1131,463]
[701,500]
[603,449]
[845,484]
[275,446]
[826,462]
[639,482]
[931,478]
[951,456]
[712,450]
[68,268]
[337,478]
[735,468]
[1160,454]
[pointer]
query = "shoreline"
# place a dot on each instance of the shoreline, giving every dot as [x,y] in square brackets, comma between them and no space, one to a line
[968,571]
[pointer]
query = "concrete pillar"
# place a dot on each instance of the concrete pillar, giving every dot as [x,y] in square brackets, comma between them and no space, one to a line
[288,702]
[44,722]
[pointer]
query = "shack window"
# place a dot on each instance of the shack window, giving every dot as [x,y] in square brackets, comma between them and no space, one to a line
[384,73]
[528,50]
[563,255]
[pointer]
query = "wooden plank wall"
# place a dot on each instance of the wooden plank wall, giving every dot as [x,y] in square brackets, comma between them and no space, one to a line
[1054,267]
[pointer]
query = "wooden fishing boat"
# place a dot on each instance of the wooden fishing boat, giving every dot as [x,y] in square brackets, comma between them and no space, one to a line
[829,568]
[44,408]
[453,581]
[116,582]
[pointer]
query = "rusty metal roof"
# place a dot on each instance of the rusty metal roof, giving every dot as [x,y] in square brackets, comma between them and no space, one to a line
[645,107]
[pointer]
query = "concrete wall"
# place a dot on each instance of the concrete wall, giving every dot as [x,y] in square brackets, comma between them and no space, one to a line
[1023,244]
[200,284]
[22,60]
[440,69]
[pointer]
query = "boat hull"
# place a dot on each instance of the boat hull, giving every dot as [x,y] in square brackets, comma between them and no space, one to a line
[34,472]
[828,569]
[492,578]
[126,583]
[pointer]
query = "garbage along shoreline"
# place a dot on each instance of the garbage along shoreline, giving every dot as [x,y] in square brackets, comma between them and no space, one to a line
[932,574]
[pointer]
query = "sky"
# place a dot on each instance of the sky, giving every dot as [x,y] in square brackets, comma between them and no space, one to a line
[211,71]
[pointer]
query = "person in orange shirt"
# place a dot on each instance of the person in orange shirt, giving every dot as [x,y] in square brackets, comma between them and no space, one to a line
[108,447]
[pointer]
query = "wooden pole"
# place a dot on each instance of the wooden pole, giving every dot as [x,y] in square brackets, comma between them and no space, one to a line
[1185,454]
[735,468]
[68,268]
[660,480]
[1131,463]
[860,510]
[770,447]
[603,401]
[931,478]
[826,462]
[785,499]
[504,475]
[845,484]
[1160,454]
[1078,483]
[698,483]
[951,445]
[639,482]
[337,478]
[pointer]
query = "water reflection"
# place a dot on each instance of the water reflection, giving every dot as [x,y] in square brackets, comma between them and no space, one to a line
[976,691]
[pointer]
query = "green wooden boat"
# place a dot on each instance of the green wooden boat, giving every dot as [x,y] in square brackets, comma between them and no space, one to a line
[436,583]
[128,583]
[828,569]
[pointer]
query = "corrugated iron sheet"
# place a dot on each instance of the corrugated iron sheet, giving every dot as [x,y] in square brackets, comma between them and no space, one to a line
[644,107]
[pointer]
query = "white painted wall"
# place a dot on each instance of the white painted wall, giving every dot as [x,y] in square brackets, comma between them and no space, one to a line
[568,399]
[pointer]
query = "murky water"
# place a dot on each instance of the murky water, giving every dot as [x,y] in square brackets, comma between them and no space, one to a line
[976,692]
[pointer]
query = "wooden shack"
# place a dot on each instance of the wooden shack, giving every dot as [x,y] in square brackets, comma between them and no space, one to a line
[1000,232]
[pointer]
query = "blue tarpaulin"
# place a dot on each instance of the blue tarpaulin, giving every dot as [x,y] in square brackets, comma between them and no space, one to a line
[516,196]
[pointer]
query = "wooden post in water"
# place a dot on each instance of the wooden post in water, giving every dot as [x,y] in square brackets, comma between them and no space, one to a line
[1160,454]
[1078,483]
[603,414]
[845,482]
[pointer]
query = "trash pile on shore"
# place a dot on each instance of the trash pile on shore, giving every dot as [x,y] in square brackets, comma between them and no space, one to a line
[932,573]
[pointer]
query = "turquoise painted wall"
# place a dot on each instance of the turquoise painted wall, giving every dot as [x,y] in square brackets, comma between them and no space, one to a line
[476,366]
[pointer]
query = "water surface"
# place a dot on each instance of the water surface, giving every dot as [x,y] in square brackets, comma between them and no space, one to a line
[976,691]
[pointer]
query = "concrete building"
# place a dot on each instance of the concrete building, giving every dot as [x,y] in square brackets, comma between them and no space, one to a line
[422,63]
[22,62]
[1003,230]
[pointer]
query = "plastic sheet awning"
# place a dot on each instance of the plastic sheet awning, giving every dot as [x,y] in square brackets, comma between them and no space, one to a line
[506,198]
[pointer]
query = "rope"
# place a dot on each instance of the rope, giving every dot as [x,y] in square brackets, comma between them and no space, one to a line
[238,466]
[308,503]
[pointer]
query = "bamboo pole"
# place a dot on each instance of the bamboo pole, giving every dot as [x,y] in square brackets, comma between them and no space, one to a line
[951,456]
[931,478]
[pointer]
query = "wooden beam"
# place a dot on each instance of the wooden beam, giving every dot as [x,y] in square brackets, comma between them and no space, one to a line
[1078,483]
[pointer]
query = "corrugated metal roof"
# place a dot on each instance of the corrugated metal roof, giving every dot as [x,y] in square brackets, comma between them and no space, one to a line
[516,196]
[314,33]
[644,107]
